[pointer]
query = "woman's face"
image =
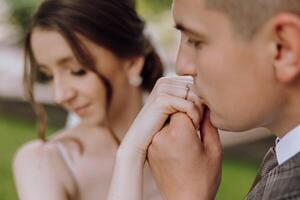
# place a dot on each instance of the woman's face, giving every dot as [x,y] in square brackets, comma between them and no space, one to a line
[75,88]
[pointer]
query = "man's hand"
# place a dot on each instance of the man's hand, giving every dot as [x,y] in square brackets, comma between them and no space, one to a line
[184,166]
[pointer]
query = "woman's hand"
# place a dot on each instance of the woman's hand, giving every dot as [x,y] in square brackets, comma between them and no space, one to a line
[170,95]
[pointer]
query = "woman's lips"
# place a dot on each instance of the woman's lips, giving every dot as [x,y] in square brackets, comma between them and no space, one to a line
[81,110]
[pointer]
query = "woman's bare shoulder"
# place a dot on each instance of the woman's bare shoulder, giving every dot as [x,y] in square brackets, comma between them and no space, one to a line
[42,154]
[38,150]
[36,156]
[38,166]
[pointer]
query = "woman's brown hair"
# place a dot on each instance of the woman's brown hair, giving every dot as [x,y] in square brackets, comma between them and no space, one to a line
[113,24]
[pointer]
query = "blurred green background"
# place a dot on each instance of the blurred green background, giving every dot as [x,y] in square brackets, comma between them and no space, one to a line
[14,131]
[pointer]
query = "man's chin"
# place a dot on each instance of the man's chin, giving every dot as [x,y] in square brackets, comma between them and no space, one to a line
[228,124]
[229,127]
[218,123]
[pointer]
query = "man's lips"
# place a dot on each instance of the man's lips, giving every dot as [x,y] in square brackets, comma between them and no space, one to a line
[202,101]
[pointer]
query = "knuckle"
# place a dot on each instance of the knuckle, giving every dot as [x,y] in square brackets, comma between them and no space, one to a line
[191,107]
[161,88]
[157,84]
[157,142]
[161,80]
[150,150]
[172,131]
[194,97]
[154,140]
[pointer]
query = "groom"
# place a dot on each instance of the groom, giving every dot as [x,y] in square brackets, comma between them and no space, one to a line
[244,56]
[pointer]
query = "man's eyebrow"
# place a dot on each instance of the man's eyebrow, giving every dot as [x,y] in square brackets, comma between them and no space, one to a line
[184,29]
[179,27]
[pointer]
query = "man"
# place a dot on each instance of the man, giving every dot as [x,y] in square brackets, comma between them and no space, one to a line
[244,56]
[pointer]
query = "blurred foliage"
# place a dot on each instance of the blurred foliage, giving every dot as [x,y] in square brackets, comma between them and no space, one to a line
[20,14]
[22,10]
[156,6]
[152,8]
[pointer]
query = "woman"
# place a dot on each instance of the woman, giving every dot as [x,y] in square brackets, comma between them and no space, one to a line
[98,61]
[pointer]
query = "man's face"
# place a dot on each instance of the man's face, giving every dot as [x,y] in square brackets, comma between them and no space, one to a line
[234,76]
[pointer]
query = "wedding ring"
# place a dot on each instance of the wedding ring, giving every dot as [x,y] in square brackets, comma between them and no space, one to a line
[187,89]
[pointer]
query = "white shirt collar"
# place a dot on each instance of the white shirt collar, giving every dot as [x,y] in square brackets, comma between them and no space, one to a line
[288,145]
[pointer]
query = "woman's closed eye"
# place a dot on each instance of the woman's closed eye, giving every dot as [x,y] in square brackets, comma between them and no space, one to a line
[43,77]
[79,72]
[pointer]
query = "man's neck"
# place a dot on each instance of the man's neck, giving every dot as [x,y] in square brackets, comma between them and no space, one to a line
[287,119]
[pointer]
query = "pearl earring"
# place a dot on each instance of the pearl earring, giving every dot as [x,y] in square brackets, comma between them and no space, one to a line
[135,81]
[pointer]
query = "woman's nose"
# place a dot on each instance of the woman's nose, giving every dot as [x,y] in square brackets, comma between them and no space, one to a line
[63,91]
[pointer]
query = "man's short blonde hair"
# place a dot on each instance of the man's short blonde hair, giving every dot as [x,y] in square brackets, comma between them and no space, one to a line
[248,16]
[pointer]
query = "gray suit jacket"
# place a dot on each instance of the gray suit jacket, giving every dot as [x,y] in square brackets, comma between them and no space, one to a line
[282,182]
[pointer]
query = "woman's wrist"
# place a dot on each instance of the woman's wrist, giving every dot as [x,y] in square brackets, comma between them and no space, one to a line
[132,148]
[131,155]
[128,171]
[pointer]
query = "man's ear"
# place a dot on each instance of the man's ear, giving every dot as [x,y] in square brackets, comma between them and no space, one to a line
[286,28]
[134,66]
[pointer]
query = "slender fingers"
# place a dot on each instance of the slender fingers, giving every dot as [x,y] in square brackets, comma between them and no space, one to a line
[184,91]
[173,104]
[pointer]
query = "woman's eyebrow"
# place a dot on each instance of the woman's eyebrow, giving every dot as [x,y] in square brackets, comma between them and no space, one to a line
[64,60]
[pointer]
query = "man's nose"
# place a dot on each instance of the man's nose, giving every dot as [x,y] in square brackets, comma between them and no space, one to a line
[185,65]
[63,91]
